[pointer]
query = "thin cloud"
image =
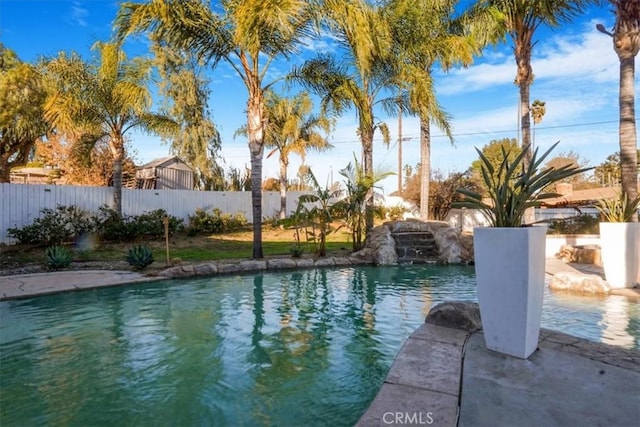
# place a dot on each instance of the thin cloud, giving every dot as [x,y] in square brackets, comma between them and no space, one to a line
[588,55]
[79,14]
[325,42]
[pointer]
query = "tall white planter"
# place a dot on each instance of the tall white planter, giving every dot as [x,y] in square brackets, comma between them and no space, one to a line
[620,248]
[509,264]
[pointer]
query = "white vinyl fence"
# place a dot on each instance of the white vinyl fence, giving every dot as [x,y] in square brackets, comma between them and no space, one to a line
[21,203]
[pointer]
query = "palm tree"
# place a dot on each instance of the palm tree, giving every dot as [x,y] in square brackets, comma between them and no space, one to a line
[626,43]
[423,34]
[353,206]
[358,79]
[248,35]
[103,101]
[538,110]
[292,129]
[520,19]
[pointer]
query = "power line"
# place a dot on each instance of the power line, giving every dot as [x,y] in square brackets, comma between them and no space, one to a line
[415,136]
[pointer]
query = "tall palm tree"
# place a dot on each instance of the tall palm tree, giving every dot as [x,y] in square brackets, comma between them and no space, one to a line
[424,34]
[520,19]
[292,129]
[248,35]
[538,110]
[357,80]
[103,101]
[626,43]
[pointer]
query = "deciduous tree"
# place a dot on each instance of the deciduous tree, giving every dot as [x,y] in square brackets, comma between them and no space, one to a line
[22,120]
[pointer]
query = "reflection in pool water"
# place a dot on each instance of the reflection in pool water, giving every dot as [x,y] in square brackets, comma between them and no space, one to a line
[308,347]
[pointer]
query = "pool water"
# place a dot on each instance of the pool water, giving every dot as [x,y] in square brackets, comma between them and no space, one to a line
[309,347]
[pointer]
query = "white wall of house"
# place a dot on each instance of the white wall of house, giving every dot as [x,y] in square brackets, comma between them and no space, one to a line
[20,204]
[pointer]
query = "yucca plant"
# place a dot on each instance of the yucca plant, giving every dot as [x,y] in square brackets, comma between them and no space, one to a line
[140,257]
[618,209]
[515,187]
[58,257]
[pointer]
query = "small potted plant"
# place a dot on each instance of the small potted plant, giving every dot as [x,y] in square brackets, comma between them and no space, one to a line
[620,240]
[509,255]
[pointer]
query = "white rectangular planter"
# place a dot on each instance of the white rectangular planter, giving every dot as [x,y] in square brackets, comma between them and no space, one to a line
[620,248]
[509,264]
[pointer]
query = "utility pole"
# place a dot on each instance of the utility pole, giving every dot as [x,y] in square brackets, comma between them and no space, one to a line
[399,149]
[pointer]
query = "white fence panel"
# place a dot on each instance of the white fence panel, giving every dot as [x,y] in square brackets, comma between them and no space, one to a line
[466,219]
[22,203]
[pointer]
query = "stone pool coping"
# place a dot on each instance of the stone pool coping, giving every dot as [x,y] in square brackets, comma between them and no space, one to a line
[35,284]
[445,376]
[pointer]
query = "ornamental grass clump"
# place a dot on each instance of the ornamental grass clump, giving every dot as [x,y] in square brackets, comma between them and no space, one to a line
[58,257]
[139,257]
[618,209]
[514,186]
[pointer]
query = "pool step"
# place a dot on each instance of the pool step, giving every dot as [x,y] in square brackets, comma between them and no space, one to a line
[416,247]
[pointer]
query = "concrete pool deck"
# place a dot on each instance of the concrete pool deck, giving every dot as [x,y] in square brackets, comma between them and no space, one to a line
[446,377]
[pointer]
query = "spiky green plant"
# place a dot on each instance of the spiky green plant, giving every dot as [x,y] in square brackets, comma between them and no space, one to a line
[140,257]
[515,186]
[618,209]
[296,250]
[58,257]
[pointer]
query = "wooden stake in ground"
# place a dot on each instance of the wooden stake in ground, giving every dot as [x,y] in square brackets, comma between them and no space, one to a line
[165,221]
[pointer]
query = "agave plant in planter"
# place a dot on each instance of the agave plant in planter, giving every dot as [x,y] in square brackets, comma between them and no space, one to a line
[620,240]
[509,256]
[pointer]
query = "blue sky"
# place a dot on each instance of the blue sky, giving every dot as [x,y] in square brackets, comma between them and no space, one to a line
[576,74]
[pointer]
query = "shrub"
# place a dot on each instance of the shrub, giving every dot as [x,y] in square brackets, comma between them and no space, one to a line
[215,222]
[395,213]
[55,226]
[296,250]
[151,223]
[118,228]
[58,257]
[140,257]
[580,224]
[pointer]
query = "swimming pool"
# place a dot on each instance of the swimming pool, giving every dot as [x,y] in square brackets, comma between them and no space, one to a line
[308,347]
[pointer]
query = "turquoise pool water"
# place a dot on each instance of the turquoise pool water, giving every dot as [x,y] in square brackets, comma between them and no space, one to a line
[308,348]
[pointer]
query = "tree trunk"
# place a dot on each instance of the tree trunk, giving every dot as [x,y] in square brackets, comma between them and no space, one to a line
[5,169]
[367,163]
[19,155]
[524,77]
[283,187]
[117,149]
[627,131]
[425,167]
[255,127]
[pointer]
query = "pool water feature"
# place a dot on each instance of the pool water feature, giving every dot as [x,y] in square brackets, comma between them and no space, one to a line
[308,347]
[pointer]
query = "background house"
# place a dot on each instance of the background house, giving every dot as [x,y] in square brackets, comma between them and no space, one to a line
[34,175]
[167,173]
